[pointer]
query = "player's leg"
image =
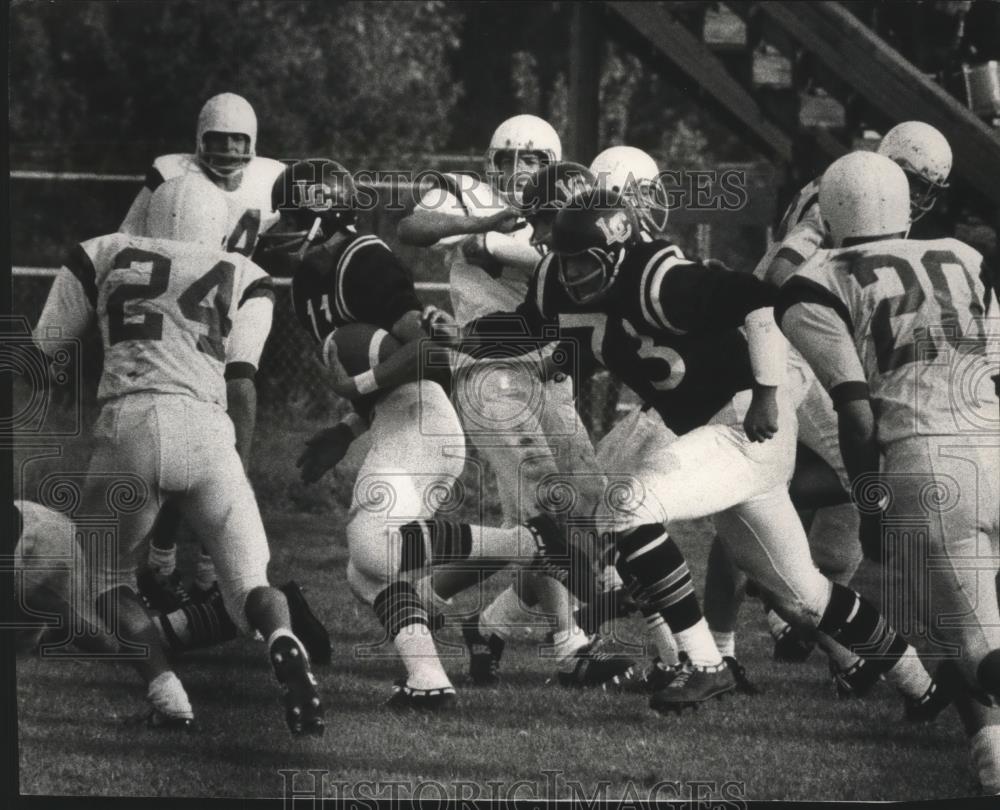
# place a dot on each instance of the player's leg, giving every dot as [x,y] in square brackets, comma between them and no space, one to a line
[131,445]
[945,495]
[222,509]
[725,589]
[766,539]
[650,562]
[510,415]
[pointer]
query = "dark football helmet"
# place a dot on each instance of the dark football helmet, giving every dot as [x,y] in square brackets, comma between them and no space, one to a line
[316,198]
[549,189]
[590,237]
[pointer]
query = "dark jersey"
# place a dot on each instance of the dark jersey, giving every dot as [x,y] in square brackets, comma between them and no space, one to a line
[359,280]
[356,281]
[668,327]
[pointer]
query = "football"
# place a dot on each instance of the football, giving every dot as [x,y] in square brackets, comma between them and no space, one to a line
[359,346]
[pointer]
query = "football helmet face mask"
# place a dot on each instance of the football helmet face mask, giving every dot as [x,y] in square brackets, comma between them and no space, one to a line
[226,138]
[634,175]
[864,195]
[925,155]
[315,198]
[189,208]
[591,237]
[520,146]
[549,190]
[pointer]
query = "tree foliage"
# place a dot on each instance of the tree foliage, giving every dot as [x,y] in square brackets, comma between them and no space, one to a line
[357,79]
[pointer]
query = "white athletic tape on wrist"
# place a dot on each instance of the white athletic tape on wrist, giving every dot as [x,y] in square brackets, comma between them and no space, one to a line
[366,383]
[768,348]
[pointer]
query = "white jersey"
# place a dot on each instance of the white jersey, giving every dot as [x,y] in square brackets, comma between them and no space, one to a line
[250,212]
[175,317]
[474,291]
[901,321]
[800,234]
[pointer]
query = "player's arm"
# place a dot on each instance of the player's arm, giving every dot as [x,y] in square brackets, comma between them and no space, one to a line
[684,297]
[440,215]
[135,219]
[70,307]
[327,448]
[90,638]
[818,324]
[251,327]
[802,241]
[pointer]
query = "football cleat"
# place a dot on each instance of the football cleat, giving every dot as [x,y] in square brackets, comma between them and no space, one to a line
[743,683]
[484,654]
[405,697]
[160,720]
[589,667]
[164,594]
[303,707]
[171,708]
[658,676]
[692,686]
[926,708]
[855,682]
[309,629]
[790,647]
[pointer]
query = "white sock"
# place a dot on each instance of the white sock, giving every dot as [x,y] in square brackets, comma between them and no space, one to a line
[726,642]
[663,639]
[909,675]
[697,642]
[775,624]
[566,643]
[505,613]
[163,560]
[985,750]
[415,646]
[166,693]
[204,572]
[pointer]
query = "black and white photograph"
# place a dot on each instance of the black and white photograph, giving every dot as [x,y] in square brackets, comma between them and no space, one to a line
[501,403]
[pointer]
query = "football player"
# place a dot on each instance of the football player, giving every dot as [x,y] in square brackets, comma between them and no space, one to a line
[895,331]
[634,174]
[171,365]
[226,153]
[53,584]
[925,156]
[56,587]
[716,437]
[526,427]
[418,448]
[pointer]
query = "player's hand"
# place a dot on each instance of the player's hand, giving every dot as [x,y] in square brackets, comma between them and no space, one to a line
[437,323]
[343,384]
[475,252]
[715,264]
[506,221]
[323,452]
[761,422]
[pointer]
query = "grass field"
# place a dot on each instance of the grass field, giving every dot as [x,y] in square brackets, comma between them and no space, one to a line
[79,731]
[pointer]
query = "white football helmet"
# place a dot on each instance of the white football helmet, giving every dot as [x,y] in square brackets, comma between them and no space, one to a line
[189,208]
[924,154]
[635,175]
[228,113]
[523,133]
[864,194]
